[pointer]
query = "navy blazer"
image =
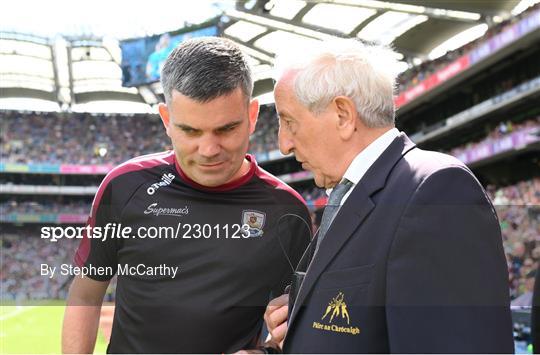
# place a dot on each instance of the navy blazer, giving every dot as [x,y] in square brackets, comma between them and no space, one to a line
[412,263]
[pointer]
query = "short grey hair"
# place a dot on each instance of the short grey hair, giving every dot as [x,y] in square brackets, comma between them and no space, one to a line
[205,68]
[344,67]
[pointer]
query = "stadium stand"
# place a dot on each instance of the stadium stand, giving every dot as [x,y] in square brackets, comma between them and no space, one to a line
[22,254]
[84,139]
[519,213]
[420,72]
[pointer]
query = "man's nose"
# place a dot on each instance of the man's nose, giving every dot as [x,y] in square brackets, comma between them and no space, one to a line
[209,146]
[286,145]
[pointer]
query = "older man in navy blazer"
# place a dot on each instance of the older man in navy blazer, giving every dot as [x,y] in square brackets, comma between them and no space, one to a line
[409,256]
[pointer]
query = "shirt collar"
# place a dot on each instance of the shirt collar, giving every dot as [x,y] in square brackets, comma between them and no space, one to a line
[363,161]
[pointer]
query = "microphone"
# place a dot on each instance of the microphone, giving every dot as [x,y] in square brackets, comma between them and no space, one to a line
[297,275]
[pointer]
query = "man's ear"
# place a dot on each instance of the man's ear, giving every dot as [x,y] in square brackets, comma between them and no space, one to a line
[253,115]
[165,118]
[347,116]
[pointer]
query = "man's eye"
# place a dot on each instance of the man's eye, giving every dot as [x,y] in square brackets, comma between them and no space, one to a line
[189,131]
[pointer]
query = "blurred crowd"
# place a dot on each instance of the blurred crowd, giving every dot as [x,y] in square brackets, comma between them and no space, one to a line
[22,256]
[265,137]
[34,207]
[518,208]
[85,139]
[495,134]
[78,138]
[88,140]
[313,196]
[418,73]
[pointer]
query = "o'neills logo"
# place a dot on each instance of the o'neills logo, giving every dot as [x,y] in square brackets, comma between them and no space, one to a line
[166,179]
[166,211]
[336,309]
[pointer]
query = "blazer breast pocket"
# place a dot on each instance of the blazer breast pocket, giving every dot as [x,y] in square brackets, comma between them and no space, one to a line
[341,299]
[346,278]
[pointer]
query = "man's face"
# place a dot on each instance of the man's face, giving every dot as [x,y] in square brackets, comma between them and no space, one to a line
[210,139]
[312,139]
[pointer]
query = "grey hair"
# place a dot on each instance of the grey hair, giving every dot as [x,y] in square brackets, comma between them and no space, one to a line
[344,67]
[205,68]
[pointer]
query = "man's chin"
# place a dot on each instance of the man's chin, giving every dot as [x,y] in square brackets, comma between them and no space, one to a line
[324,183]
[319,182]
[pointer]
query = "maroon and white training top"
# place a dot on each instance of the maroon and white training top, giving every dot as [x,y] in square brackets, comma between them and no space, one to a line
[222,242]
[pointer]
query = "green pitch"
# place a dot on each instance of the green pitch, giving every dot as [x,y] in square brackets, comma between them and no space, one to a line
[35,329]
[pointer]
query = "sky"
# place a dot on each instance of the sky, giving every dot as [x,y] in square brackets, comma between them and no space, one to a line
[118,19]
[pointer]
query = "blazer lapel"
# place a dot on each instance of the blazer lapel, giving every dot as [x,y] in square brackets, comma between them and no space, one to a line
[357,207]
[342,228]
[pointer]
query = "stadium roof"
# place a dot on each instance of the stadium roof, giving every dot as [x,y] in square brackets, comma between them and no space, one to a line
[77,68]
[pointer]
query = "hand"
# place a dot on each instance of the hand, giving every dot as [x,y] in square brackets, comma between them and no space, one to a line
[275,317]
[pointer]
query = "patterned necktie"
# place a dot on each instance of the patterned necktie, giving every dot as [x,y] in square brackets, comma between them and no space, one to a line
[331,208]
